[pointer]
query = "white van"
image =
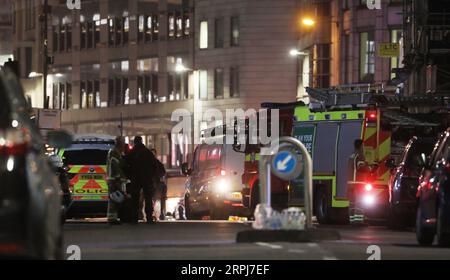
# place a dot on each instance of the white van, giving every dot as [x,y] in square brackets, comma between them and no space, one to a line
[214,185]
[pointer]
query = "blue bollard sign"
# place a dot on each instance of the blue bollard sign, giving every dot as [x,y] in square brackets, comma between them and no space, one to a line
[286,165]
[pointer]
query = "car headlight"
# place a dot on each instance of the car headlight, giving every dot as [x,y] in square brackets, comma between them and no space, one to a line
[369,200]
[222,186]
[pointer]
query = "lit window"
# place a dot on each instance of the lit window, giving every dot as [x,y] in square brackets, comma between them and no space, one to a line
[203,81]
[366,57]
[203,35]
[235,31]
[396,36]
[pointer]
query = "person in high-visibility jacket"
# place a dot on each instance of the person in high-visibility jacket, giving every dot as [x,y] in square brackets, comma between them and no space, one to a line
[358,171]
[116,177]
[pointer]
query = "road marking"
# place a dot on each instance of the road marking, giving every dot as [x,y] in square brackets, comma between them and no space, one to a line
[296,251]
[312,245]
[329,259]
[268,245]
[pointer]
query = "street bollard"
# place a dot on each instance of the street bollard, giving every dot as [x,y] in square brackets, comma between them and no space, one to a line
[265,171]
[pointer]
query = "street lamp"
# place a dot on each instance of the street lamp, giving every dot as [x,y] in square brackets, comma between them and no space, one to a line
[180,68]
[35,74]
[308,22]
[295,52]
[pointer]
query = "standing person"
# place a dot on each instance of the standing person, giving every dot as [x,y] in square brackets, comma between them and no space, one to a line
[160,184]
[142,165]
[358,170]
[115,169]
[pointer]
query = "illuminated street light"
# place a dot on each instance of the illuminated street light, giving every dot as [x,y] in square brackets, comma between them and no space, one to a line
[308,22]
[295,52]
[179,68]
[34,75]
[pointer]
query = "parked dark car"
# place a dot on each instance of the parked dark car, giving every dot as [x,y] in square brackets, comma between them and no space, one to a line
[30,199]
[433,213]
[404,181]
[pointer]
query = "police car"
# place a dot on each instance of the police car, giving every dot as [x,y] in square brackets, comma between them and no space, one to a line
[86,160]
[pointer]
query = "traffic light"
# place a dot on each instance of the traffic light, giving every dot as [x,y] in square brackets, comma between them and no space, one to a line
[13,65]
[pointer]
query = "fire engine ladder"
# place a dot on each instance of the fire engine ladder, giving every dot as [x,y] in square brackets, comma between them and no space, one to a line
[343,97]
[366,95]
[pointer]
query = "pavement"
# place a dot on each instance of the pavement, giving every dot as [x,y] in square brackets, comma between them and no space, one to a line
[216,240]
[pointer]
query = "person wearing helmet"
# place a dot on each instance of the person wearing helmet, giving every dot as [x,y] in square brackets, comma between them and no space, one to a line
[116,179]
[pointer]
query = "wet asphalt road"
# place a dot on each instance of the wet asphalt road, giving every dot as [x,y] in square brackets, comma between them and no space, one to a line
[216,240]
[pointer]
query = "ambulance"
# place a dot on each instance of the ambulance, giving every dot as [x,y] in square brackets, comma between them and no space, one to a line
[86,160]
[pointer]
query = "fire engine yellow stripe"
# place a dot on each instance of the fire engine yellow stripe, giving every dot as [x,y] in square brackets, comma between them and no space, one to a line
[384,149]
[370,131]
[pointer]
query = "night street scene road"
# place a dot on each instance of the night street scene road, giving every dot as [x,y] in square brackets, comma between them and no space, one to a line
[221,136]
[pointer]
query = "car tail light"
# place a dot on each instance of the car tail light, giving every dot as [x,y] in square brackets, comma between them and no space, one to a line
[368,187]
[14,142]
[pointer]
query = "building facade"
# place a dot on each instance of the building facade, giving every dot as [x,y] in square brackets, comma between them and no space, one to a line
[5,31]
[123,67]
[427,54]
[342,43]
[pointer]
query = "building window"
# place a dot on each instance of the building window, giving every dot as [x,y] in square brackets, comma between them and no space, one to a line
[155,27]
[68,37]
[83,95]
[118,91]
[234,82]
[179,25]
[235,31]
[55,38]
[68,96]
[62,38]
[90,34]
[97,33]
[186,24]
[346,59]
[55,96]
[396,36]
[218,33]
[203,82]
[118,32]
[83,32]
[203,35]
[126,29]
[90,94]
[366,56]
[171,23]
[321,66]
[147,28]
[111,32]
[28,60]
[218,83]
[30,14]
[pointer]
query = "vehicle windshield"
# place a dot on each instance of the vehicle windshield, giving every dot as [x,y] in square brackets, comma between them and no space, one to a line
[85,157]
[414,159]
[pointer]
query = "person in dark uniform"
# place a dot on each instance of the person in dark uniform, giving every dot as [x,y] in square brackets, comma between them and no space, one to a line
[160,185]
[142,164]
